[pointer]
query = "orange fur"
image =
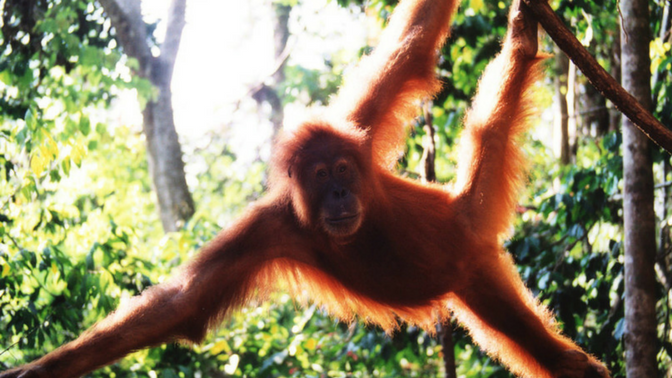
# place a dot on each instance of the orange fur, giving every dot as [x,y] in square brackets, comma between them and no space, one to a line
[397,74]
[410,251]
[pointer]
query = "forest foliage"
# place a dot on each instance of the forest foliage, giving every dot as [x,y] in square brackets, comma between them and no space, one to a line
[79,228]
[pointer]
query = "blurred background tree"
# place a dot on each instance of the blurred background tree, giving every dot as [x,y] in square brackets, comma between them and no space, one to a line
[80,228]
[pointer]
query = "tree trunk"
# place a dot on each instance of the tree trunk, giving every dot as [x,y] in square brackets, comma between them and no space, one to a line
[267,93]
[561,119]
[280,37]
[572,116]
[615,117]
[639,216]
[429,150]
[163,148]
[596,116]
[445,330]
[165,161]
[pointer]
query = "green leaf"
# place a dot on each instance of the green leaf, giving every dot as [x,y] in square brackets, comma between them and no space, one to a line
[90,265]
[31,120]
[85,125]
[6,77]
[38,164]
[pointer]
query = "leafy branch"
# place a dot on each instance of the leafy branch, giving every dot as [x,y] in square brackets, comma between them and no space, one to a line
[598,76]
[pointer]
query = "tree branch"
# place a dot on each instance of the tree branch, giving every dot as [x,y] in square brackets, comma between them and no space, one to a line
[126,17]
[171,43]
[602,81]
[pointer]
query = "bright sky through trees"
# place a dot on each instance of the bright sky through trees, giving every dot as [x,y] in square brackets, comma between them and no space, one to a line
[227,47]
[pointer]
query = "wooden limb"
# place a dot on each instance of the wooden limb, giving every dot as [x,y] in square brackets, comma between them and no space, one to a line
[602,81]
[448,344]
[171,44]
[126,18]
[429,150]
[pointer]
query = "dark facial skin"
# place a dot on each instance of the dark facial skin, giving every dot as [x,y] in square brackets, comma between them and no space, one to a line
[336,185]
